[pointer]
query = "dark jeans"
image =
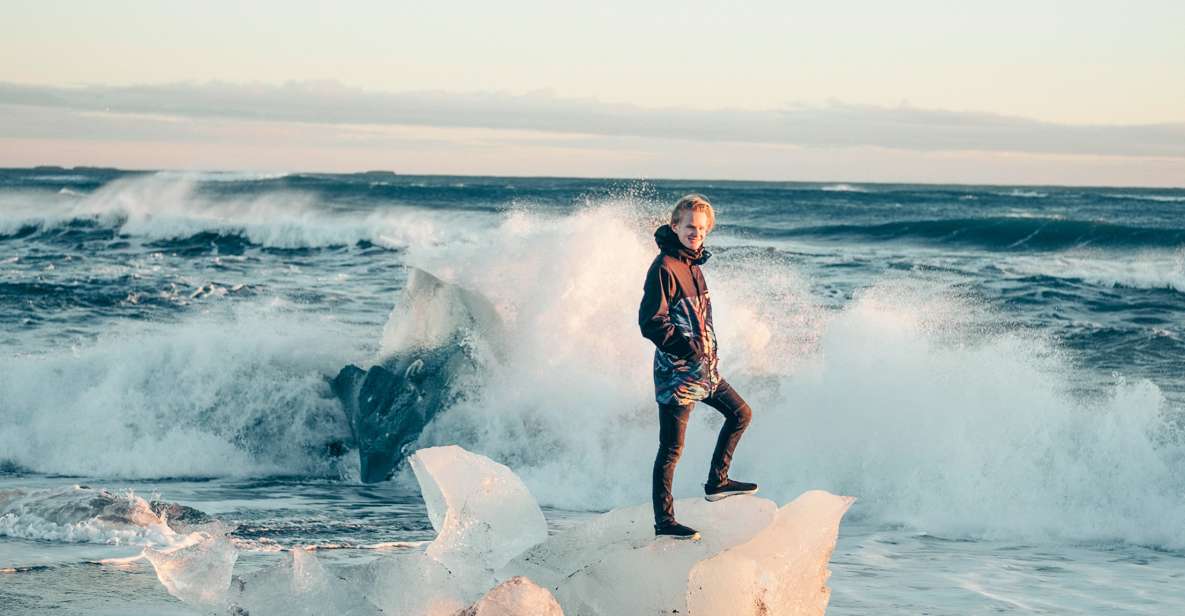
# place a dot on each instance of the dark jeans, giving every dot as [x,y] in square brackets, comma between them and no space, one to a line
[672,425]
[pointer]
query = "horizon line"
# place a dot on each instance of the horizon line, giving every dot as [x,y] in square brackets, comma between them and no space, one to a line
[285,173]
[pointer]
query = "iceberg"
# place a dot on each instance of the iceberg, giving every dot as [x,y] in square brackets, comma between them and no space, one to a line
[781,570]
[754,556]
[613,564]
[492,556]
[483,515]
[434,348]
[415,583]
[482,512]
[518,596]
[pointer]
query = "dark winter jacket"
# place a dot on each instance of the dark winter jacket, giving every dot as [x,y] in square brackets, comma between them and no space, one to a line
[676,315]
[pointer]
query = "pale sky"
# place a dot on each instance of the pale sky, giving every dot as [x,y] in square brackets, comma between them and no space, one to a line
[1044,92]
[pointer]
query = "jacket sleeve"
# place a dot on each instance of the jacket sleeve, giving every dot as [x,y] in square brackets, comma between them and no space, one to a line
[654,313]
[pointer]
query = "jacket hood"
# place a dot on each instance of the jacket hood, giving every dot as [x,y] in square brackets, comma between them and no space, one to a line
[668,242]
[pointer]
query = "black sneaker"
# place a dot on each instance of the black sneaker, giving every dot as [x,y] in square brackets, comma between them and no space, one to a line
[728,488]
[676,530]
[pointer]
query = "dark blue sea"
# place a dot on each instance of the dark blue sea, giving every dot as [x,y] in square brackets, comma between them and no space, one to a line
[997,373]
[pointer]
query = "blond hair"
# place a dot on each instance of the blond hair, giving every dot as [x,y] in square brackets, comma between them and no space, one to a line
[693,203]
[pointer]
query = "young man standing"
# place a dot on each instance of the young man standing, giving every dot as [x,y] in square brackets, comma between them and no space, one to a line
[676,315]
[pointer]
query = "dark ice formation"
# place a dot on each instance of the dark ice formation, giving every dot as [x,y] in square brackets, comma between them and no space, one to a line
[389,404]
[440,337]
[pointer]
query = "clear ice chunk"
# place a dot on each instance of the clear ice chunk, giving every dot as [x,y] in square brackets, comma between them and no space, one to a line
[482,512]
[753,559]
[781,570]
[518,596]
[415,583]
[197,568]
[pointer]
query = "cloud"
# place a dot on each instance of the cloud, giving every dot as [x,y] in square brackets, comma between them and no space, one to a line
[833,125]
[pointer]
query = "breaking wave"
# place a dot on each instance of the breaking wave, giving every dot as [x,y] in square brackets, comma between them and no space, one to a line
[1024,194]
[1146,197]
[78,514]
[1138,271]
[170,206]
[911,397]
[211,396]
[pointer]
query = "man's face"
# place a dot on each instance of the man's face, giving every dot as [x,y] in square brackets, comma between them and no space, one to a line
[692,229]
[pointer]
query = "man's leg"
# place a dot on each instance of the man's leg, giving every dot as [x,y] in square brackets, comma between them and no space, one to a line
[736,418]
[672,425]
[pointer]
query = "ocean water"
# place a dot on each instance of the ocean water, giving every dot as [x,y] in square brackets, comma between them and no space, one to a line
[997,373]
